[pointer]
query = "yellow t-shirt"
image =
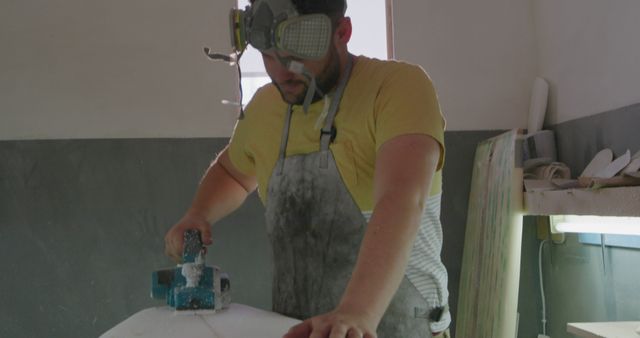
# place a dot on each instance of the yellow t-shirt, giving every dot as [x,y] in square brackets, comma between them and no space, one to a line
[382,100]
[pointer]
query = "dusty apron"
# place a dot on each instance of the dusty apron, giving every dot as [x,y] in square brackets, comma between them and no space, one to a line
[316,228]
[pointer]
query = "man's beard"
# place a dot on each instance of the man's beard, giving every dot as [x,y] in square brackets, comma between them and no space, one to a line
[325,81]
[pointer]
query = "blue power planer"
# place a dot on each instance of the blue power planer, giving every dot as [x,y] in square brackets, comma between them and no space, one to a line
[192,285]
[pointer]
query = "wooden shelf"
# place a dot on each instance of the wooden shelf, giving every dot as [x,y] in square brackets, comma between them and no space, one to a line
[605,329]
[619,201]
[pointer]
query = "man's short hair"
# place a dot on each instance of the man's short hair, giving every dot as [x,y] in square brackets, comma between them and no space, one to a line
[334,9]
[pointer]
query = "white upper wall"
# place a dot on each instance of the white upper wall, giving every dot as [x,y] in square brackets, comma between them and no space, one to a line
[118,68]
[589,52]
[480,55]
[101,69]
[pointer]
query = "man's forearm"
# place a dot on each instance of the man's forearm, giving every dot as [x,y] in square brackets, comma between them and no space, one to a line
[405,166]
[383,256]
[220,192]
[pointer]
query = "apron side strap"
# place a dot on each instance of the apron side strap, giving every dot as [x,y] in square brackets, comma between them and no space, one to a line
[326,138]
[284,141]
[324,159]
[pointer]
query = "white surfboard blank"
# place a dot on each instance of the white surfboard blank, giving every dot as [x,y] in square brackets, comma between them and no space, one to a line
[236,321]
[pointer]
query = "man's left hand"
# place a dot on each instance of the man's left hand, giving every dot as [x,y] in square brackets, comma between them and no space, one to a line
[335,324]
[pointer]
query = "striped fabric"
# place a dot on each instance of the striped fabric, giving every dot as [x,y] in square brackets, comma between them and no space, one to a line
[425,269]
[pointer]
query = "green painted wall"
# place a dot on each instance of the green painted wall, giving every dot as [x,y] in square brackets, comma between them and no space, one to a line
[82,225]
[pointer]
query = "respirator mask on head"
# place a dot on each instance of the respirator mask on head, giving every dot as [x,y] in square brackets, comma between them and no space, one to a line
[276,26]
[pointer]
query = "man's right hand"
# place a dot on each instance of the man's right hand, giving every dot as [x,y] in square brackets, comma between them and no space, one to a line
[222,190]
[174,239]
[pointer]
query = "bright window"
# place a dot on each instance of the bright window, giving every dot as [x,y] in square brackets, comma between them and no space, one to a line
[368,18]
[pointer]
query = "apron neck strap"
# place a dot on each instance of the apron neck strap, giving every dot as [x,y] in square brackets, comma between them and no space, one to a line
[326,134]
[284,140]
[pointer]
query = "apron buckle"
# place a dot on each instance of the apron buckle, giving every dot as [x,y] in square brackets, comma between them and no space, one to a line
[333,132]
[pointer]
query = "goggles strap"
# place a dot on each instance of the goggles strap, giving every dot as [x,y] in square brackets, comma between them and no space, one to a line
[299,68]
[310,93]
[233,59]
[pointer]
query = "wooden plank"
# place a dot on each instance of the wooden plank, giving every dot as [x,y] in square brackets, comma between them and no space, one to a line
[620,201]
[490,266]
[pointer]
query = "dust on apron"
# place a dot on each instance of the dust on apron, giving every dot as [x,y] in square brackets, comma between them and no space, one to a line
[316,228]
